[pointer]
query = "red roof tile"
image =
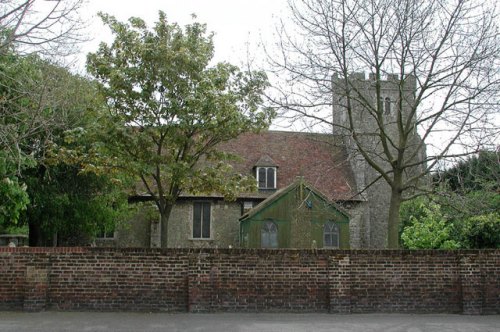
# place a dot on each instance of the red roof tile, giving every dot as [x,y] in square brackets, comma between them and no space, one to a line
[319,158]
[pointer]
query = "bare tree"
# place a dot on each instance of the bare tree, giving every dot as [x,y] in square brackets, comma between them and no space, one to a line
[52,27]
[433,70]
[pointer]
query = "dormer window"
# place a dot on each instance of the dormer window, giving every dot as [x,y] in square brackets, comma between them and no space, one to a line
[266,177]
[265,172]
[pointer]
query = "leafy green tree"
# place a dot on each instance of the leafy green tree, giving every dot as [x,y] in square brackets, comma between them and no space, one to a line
[468,200]
[68,207]
[482,231]
[28,27]
[40,105]
[431,231]
[38,101]
[469,193]
[24,116]
[169,107]
[13,195]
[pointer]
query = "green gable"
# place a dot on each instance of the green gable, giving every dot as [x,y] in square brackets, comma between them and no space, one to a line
[299,213]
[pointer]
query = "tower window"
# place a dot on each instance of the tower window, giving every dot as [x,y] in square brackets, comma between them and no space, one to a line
[387,105]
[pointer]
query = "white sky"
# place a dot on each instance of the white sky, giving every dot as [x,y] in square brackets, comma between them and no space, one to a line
[236,23]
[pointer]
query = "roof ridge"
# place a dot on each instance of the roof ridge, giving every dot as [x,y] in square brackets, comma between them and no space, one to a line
[296,132]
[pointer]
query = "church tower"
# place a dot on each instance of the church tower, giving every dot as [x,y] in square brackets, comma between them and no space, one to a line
[368,110]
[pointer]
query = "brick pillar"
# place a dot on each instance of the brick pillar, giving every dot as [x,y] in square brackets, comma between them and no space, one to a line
[340,284]
[472,283]
[37,284]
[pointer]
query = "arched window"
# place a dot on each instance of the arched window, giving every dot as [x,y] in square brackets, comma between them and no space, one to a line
[387,105]
[331,235]
[269,235]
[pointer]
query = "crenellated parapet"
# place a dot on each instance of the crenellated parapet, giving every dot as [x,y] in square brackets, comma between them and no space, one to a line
[387,80]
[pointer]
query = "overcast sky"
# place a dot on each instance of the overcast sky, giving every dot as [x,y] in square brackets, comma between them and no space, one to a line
[236,23]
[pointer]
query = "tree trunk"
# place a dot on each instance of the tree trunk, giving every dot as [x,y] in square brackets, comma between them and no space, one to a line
[165,211]
[394,220]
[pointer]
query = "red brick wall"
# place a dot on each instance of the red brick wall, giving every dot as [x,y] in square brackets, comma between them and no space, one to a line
[119,280]
[250,280]
[259,280]
[405,281]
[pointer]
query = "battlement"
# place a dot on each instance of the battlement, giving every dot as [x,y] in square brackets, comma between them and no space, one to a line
[392,79]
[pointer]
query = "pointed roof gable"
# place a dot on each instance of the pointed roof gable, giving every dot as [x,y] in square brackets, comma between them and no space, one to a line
[282,192]
[265,160]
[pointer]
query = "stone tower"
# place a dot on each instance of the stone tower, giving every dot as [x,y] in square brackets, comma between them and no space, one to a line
[370,120]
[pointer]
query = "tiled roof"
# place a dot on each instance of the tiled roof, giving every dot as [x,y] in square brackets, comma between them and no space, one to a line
[320,158]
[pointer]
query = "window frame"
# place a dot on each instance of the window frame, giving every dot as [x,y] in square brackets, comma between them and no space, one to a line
[203,204]
[333,230]
[273,229]
[266,168]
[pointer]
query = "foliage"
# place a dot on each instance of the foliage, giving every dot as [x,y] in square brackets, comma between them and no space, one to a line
[14,230]
[72,205]
[12,195]
[477,172]
[431,231]
[169,108]
[410,212]
[40,104]
[468,201]
[30,90]
[39,100]
[482,231]
[470,221]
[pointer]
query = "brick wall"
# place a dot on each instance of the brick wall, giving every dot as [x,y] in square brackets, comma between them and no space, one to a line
[207,280]
[259,280]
